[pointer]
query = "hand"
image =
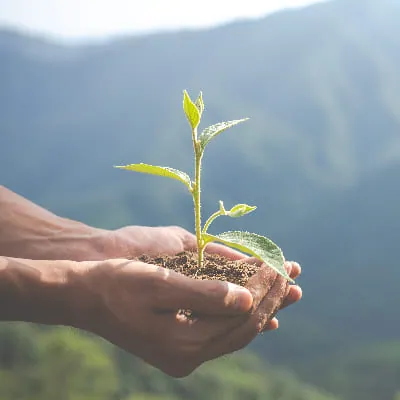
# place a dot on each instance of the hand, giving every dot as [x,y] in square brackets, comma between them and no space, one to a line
[135,306]
[132,241]
[294,294]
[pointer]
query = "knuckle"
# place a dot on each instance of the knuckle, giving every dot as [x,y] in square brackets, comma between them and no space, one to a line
[179,230]
[187,238]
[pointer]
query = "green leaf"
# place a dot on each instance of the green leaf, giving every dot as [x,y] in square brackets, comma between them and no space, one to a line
[200,104]
[191,111]
[256,245]
[214,130]
[239,210]
[160,171]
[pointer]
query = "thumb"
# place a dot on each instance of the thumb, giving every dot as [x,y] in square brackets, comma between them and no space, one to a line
[202,296]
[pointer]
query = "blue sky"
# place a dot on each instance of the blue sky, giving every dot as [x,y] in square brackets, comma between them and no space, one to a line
[88,19]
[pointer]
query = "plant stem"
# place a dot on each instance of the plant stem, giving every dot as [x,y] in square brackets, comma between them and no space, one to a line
[196,199]
[211,219]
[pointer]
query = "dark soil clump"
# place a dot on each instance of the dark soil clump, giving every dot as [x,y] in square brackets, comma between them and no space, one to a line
[214,267]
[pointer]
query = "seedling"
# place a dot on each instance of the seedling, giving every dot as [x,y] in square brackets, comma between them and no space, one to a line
[250,243]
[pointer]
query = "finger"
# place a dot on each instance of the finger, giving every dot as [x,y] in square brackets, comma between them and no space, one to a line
[246,332]
[294,295]
[260,283]
[272,302]
[174,291]
[223,326]
[208,328]
[295,269]
[215,248]
[271,325]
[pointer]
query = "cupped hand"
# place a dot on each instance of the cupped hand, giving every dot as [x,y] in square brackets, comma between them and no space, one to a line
[132,241]
[135,306]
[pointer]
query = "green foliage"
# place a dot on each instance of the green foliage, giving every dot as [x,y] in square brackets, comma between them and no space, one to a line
[328,95]
[161,171]
[149,396]
[256,245]
[71,365]
[193,111]
[245,377]
[236,211]
[199,103]
[74,367]
[209,133]
[374,370]
[67,366]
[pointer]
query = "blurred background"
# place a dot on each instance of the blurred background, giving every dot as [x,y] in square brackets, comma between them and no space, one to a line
[87,85]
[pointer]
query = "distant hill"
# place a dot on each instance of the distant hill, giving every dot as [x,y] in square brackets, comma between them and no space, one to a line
[320,155]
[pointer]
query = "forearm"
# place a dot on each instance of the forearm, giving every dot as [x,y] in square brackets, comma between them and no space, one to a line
[29,231]
[44,292]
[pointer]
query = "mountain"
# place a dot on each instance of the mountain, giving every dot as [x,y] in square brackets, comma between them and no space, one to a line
[320,157]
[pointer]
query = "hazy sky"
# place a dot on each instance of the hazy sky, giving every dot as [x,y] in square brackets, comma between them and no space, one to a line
[77,19]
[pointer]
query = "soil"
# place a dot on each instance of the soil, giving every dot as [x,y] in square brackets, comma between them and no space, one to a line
[214,267]
[220,268]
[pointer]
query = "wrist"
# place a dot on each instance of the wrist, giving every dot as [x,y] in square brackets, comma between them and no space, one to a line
[38,291]
[77,242]
[61,240]
[31,232]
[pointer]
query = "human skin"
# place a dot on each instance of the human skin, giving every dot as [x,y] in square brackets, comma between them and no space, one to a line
[57,271]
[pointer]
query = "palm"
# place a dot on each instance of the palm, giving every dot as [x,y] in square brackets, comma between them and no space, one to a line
[133,241]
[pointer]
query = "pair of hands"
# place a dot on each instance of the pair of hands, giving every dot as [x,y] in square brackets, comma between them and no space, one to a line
[136,304]
[132,304]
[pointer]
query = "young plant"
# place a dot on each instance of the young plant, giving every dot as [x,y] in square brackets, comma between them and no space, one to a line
[250,243]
